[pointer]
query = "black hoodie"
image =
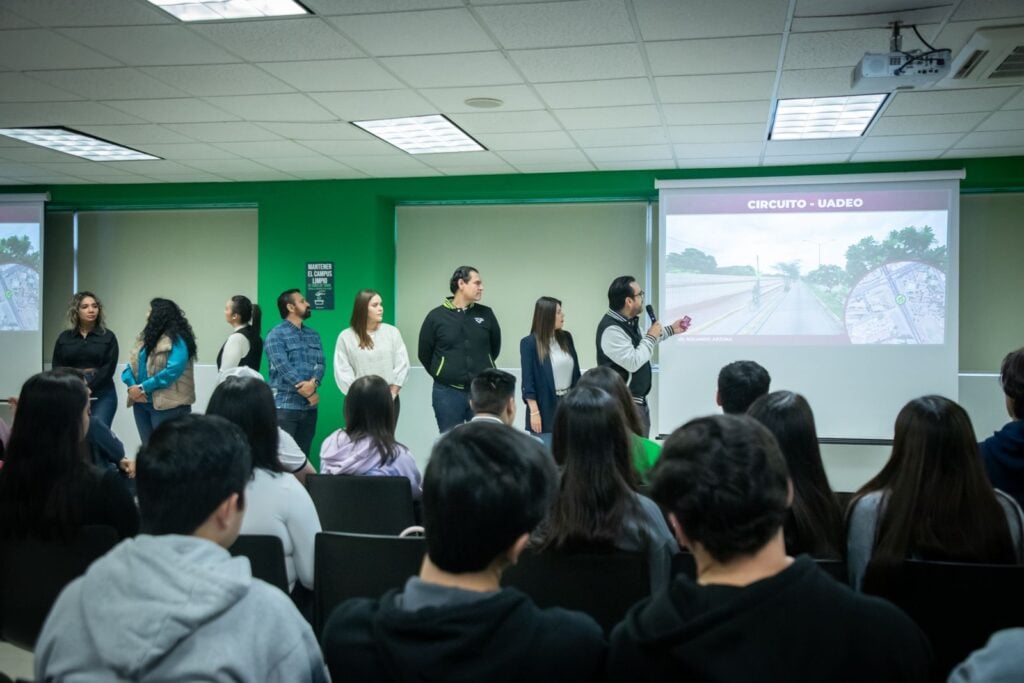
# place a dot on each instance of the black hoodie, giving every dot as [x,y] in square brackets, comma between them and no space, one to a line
[799,625]
[502,638]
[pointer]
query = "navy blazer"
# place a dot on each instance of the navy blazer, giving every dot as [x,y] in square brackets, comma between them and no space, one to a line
[539,379]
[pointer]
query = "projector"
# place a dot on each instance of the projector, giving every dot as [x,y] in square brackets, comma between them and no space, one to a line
[888,71]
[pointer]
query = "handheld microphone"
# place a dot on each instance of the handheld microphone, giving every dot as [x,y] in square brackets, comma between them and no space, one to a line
[650,314]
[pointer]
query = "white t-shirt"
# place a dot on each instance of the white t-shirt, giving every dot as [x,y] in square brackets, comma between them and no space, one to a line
[561,366]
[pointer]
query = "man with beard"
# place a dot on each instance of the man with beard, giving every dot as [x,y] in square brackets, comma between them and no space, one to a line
[296,359]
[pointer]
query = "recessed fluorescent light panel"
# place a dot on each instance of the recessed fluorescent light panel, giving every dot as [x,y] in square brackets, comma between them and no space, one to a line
[78,144]
[217,10]
[422,134]
[824,117]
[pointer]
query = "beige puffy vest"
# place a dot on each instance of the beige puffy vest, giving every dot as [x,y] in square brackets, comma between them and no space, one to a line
[182,392]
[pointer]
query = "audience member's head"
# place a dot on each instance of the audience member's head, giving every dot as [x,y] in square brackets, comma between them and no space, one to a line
[595,495]
[191,478]
[493,392]
[815,523]
[606,379]
[724,482]
[45,456]
[248,402]
[1011,375]
[740,383]
[487,486]
[370,414]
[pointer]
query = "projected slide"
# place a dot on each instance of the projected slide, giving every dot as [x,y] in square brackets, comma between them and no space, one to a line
[810,267]
[20,264]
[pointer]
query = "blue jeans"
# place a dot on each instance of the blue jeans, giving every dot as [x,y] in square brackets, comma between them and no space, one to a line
[301,424]
[104,405]
[451,407]
[148,418]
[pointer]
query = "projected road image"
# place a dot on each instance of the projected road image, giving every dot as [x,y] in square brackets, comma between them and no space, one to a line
[19,277]
[898,303]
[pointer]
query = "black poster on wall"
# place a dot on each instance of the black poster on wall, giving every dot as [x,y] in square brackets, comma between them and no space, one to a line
[320,285]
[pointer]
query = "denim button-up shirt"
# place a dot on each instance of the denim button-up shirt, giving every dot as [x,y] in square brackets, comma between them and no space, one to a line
[295,355]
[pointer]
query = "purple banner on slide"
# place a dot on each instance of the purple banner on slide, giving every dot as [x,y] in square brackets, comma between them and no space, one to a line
[808,202]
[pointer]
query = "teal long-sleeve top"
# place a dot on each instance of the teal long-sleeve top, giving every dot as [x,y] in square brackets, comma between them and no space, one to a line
[177,361]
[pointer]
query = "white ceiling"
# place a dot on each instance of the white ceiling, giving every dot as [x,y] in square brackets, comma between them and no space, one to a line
[586,85]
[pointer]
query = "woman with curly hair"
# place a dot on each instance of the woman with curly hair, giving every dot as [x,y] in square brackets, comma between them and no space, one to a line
[159,371]
[90,347]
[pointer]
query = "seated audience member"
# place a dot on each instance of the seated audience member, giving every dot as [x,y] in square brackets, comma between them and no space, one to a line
[485,489]
[492,396]
[1000,661]
[814,524]
[49,486]
[645,451]
[740,383]
[367,445]
[753,613]
[597,505]
[931,501]
[276,504]
[172,604]
[1003,452]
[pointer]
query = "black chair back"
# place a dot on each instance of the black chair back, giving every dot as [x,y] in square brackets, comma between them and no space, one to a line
[360,566]
[34,572]
[683,562]
[834,568]
[602,584]
[362,504]
[266,557]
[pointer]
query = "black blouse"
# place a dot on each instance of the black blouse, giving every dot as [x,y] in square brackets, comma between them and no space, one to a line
[96,351]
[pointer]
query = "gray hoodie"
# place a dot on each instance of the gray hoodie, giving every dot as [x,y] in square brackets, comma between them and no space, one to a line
[163,608]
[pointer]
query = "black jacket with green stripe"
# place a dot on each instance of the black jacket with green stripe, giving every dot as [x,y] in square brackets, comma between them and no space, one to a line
[456,344]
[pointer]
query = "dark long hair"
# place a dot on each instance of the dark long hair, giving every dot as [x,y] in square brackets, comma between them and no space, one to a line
[595,494]
[249,403]
[543,327]
[46,458]
[608,380]
[814,524]
[361,316]
[76,301]
[370,414]
[165,318]
[248,312]
[937,501]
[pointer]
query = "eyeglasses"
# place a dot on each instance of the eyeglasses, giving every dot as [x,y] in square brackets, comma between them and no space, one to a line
[639,295]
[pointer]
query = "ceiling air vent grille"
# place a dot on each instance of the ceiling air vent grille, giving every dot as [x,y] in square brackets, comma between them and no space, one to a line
[1012,66]
[991,54]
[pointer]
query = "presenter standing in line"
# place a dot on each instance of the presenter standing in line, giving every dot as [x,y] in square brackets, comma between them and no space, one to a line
[550,366]
[90,347]
[243,348]
[624,348]
[457,340]
[296,359]
[369,346]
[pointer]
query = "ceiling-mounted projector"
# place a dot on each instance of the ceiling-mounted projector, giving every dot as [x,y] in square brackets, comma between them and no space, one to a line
[899,69]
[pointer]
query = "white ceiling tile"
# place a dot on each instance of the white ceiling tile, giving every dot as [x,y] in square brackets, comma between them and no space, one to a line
[122,180]
[1017,102]
[150,45]
[376,104]
[315,131]
[109,84]
[1003,120]
[714,55]
[317,164]
[32,154]
[16,87]
[578,94]
[961,153]
[564,167]
[187,177]
[336,8]
[501,142]
[743,132]
[443,71]
[60,180]
[143,133]
[505,122]
[755,111]
[280,40]
[649,164]
[580,63]
[954,35]
[824,49]
[544,156]
[896,156]
[61,114]
[151,166]
[636,153]
[904,143]
[9,20]
[722,150]
[89,169]
[22,170]
[558,24]
[445,161]
[179,110]
[720,162]
[35,49]
[948,101]
[806,159]
[609,117]
[811,147]
[268,174]
[933,123]
[620,137]
[717,88]
[987,9]
[341,148]
[388,165]
[416,33]
[496,169]
[1003,138]
[333,75]
[193,150]
[661,20]
[453,100]
[294,107]
[285,149]
[340,174]
[823,15]
[219,79]
[226,166]
[223,132]
[91,13]
[829,82]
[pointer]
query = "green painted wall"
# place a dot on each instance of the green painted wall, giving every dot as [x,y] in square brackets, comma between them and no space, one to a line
[351,222]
